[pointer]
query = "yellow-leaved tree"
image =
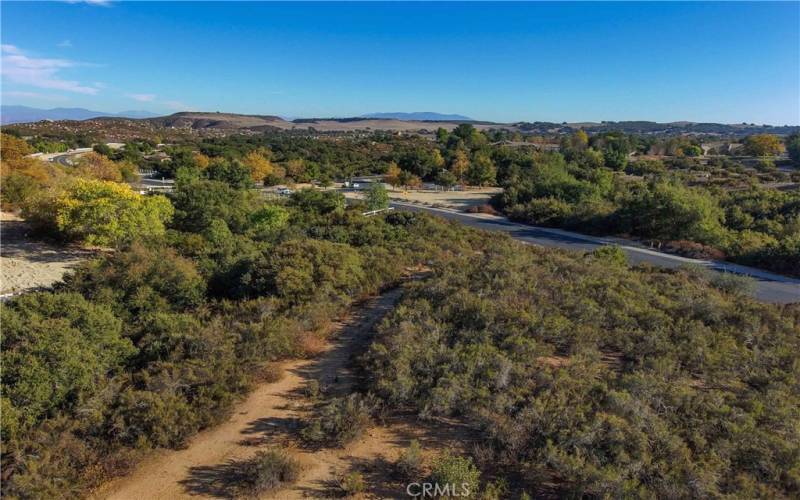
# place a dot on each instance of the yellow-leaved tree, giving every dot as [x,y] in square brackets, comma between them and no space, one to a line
[392,175]
[12,148]
[202,161]
[763,145]
[101,167]
[102,213]
[296,169]
[460,165]
[23,178]
[259,164]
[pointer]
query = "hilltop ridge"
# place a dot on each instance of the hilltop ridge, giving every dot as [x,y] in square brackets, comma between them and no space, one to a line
[218,123]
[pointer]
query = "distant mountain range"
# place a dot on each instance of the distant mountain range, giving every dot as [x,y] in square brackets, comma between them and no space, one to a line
[418,116]
[25,114]
[216,123]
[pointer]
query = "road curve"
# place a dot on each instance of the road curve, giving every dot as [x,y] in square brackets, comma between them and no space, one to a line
[770,287]
[65,158]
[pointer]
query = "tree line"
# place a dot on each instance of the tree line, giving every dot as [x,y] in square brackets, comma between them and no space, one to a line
[584,187]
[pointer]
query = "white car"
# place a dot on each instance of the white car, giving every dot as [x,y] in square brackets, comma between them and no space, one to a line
[285,191]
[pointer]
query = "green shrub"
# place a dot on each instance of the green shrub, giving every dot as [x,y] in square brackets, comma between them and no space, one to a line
[58,350]
[495,490]
[151,419]
[268,220]
[458,472]
[568,364]
[549,211]
[322,202]
[313,432]
[341,420]
[377,197]
[143,278]
[18,188]
[353,484]
[300,269]
[268,471]
[611,254]
[312,389]
[409,464]
[735,284]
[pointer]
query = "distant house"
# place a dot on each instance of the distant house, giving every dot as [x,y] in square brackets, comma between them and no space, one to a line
[159,156]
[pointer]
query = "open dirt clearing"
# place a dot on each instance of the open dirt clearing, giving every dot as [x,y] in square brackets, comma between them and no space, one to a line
[272,415]
[27,264]
[454,200]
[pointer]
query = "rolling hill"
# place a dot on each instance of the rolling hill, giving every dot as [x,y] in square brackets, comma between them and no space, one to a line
[220,124]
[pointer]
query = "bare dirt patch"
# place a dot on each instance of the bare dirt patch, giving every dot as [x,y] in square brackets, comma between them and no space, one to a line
[455,200]
[27,263]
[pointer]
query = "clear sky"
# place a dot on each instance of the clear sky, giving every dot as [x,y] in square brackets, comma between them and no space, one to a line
[722,62]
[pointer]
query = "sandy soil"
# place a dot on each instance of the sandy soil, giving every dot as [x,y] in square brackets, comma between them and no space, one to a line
[273,414]
[456,200]
[27,264]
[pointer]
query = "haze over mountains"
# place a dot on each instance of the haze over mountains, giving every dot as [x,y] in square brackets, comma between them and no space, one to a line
[24,114]
[418,115]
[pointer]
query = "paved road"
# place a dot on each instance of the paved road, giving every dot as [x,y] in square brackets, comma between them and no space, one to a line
[770,287]
[155,182]
[67,159]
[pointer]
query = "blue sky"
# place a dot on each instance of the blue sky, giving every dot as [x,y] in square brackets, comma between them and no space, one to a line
[723,62]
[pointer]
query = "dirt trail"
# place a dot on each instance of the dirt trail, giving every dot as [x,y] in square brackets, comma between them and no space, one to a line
[271,416]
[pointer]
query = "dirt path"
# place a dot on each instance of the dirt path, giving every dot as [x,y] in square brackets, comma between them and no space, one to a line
[271,416]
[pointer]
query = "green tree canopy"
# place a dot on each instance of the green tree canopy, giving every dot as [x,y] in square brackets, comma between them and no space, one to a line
[377,197]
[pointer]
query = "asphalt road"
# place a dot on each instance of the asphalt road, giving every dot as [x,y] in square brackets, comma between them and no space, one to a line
[770,287]
[67,159]
[153,182]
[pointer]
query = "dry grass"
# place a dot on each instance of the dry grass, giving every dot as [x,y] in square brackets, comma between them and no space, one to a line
[482,209]
[271,373]
[312,343]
